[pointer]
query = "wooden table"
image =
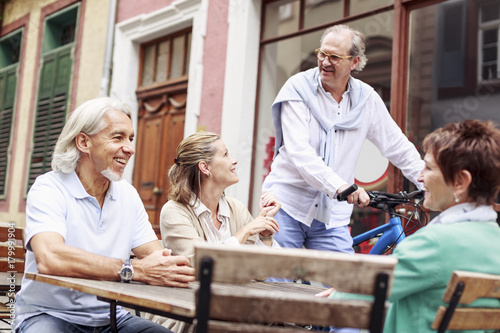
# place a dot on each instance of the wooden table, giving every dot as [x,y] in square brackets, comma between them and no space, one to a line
[177,303]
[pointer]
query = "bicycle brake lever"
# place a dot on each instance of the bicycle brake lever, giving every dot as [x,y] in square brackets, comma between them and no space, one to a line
[416,195]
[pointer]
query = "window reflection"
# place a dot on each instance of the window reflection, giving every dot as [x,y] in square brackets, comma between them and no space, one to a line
[281,18]
[450,81]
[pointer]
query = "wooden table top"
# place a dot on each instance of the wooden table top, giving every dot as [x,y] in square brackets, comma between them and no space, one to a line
[177,301]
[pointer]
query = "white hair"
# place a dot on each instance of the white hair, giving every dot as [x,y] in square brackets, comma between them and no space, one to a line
[88,119]
[358,43]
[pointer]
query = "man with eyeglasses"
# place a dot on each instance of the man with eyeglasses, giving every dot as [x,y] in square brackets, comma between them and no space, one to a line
[322,117]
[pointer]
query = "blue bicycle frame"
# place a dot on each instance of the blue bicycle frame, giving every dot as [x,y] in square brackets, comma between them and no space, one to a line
[392,233]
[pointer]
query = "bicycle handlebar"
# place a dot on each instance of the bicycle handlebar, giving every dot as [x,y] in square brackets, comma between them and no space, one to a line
[342,196]
[378,198]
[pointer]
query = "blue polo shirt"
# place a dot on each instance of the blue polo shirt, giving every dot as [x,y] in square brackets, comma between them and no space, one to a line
[57,202]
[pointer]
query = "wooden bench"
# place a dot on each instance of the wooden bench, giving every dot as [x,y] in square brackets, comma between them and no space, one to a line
[463,289]
[12,253]
[253,310]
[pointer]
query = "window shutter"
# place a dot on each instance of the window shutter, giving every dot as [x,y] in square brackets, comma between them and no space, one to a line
[8,83]
[51,109]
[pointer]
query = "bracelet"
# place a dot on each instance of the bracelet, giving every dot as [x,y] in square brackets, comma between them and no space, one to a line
[262,238]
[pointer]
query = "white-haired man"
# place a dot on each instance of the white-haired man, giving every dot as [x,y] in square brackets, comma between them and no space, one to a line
[82,220]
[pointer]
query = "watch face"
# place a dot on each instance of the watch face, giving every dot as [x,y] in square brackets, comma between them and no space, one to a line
[126,273]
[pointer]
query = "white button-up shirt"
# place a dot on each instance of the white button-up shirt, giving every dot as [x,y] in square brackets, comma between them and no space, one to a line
[223,234]
[298,173]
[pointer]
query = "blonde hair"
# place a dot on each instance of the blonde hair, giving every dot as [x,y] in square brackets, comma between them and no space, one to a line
[185,175]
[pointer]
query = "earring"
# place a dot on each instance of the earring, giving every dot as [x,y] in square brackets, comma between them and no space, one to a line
[209,175]
[457,198]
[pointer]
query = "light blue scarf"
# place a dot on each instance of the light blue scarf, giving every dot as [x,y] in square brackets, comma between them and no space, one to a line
[465,212]
[304,87]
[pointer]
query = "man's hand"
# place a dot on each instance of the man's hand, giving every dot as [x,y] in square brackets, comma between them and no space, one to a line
[359,197]
[269,200]
[162,269]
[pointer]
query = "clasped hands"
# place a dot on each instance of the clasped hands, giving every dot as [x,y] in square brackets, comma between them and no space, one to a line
[162,269]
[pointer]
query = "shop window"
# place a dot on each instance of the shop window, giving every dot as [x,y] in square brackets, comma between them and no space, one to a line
[452,65]
[10,50]
[467,44]
[489,40]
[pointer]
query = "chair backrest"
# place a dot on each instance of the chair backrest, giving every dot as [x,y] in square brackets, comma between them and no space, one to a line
[358,274]
[12,249]
[463,289]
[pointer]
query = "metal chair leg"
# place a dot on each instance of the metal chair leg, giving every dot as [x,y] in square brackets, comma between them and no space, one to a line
[378,310]
[203,306]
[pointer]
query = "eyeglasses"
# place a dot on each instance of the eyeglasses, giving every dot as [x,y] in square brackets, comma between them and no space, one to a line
[333,58]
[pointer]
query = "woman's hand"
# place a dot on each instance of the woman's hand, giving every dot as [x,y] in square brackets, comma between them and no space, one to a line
[263,224]
[269,200]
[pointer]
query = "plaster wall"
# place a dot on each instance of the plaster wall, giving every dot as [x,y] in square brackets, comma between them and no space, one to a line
[85,85]
[240,90]
[131,8]
[214,64]
[92,45]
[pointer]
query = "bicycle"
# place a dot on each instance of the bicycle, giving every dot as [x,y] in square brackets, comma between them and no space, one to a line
[392,232]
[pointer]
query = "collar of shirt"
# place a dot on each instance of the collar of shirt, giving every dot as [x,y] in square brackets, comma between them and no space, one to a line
[204,215]
[329,106]
[322,90]
[465,212]
[75,186]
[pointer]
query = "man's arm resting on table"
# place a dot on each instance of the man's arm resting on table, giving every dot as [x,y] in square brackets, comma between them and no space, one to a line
[157,266]
[54,257]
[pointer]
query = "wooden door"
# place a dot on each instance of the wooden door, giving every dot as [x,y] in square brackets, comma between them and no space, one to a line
[160,130]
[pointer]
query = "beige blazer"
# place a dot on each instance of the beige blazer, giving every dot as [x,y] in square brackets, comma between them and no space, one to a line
[181,229]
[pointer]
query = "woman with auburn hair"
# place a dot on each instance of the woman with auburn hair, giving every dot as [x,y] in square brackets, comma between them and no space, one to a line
[461,179]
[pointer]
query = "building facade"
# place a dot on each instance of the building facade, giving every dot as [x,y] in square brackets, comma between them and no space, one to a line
[216,65]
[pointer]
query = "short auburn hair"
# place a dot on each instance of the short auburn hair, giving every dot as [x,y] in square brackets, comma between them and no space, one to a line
[470,145]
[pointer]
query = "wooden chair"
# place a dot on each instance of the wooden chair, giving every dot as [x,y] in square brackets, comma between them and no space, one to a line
[12,254]
[250,310]
[463,289]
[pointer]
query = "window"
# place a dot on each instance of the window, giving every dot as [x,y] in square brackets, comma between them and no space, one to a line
[489,39]
[467,86]
[53,87]
[10,50]
[165,59]
[287,17]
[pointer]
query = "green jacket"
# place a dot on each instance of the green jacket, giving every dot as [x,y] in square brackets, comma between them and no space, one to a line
[426,261]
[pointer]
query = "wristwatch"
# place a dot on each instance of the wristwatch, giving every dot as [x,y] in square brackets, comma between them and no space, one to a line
[126,272]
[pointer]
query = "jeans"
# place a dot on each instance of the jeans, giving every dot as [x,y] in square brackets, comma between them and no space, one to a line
[296,234]
[45,323]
